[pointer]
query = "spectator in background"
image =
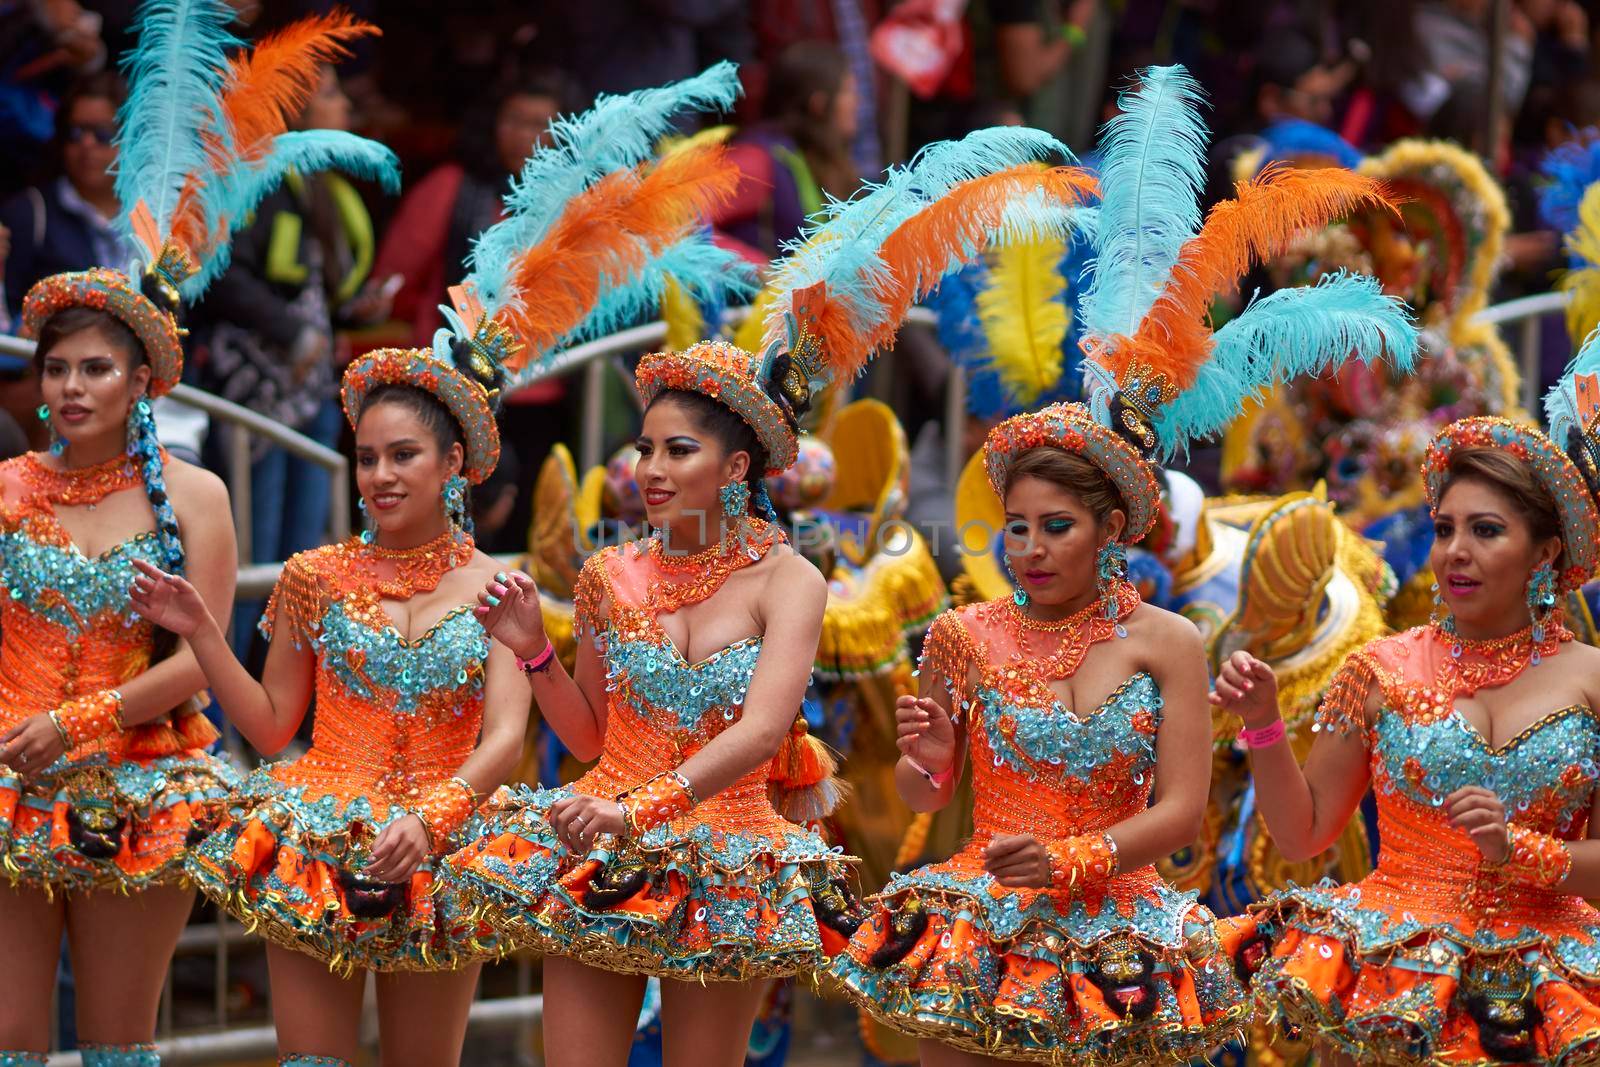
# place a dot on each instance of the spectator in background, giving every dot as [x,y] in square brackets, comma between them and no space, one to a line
[64,223]
[797,152]
[45,45]
[1455,38]
[300,269]
[430,235]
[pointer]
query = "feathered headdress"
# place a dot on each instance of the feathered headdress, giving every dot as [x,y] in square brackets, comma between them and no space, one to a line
[1570,204]
[1012,321]
[846,286]
[1567,461]
[202,140]
[1155,372]
[593,232]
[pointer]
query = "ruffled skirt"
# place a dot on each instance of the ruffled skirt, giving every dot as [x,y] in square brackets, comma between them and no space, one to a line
[1132,976]
[686,902]
[287,865]
[1414,986]
[103,821]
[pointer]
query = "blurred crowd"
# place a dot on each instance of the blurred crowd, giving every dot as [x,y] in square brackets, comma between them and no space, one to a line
[834,89]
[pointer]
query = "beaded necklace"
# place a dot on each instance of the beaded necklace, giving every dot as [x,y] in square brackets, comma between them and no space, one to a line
[1076,633]
[419,569]
[1470,666]
[81,486]
[684,579]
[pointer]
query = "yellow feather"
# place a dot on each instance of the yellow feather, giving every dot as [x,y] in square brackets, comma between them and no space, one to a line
[1024,318]
[750,333]
[685,324]
[1583,314]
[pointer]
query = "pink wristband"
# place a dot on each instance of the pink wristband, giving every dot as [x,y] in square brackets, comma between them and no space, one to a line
[1266,735]
[935,780]
[539,662]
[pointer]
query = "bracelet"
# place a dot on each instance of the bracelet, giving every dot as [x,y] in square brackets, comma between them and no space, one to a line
[445,809]
[540,663]
[1082,860]
[1535,859]
[88,718]
[660,800]
[935,780]
[1263,736]
[61,731]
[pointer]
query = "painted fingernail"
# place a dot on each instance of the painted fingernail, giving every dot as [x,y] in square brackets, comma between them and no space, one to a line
[500,576]
[494,601]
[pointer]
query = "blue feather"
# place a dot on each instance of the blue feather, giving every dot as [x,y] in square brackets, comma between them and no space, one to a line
[618,131]
[1152,171]
[841,245]
[1569,169]
[1289,139]
[1291,332]
[1561,409]
[175,72]
[233,197]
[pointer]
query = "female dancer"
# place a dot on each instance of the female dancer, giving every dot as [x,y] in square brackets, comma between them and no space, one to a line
[1050,936]
[104,777]
[1471,942]
[674,857]
[418,714]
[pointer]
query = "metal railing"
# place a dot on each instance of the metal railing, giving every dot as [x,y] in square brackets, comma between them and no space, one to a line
[221,1044]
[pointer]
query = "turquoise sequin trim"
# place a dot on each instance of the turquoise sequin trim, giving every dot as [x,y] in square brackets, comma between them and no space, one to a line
[658,681]
[1048,739]
[66,587]
[120,1056]
[448,656]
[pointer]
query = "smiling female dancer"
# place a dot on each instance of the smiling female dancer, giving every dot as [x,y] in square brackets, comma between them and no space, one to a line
[1050,936]
[674,857]
[1472,941]
[418,714]
[104,777]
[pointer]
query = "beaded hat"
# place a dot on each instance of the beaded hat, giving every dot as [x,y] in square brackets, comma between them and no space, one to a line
[202,138]
[593,232]
[1155,375]
[843,290]
[1567,462]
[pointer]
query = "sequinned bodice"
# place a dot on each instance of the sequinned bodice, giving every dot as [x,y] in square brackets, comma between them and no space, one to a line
[1422,749]
[1038,767]
[661,708]
[66,625]
[393,716]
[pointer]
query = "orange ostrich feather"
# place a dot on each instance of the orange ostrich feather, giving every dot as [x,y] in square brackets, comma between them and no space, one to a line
[608,232]
[1261,221]
[924,248]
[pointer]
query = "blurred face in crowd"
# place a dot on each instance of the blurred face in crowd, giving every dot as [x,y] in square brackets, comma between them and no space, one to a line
[522,124]
[329,109]
[842,109]
[1310,98]
[89,382]
[87,154]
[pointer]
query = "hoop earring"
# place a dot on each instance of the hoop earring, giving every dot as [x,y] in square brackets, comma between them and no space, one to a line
[454,494]
[1541,602]
[58,446]
[1019,595]
[735,497]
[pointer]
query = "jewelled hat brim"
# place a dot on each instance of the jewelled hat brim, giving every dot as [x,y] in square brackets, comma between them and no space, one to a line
[116,294]
[727,374]
[1580,522]
[465,399]
[1073,428]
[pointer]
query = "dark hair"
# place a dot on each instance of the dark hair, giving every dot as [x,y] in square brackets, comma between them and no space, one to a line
[801,71]
[1283,57]
[428,409]
[1513,479]
[105,84]
[146,449]
[1071,473]
[475,145]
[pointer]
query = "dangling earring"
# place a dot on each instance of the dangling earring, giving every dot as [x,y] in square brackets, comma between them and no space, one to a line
[368,534]
[1444,620]
[735,497]
[1111,570]
[455,504]
[1019,595]
[57,445]
[1541,602]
